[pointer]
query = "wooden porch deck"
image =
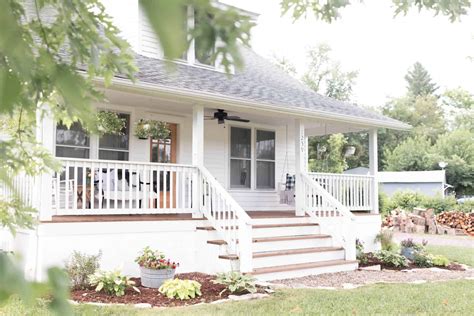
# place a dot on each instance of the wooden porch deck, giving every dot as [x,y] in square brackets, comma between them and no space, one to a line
[155,217]
[166,217]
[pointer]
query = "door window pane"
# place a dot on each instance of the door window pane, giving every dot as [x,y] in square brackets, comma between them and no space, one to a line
[239,173]
[115,147]
[265,175]
[240,140]
[266,145]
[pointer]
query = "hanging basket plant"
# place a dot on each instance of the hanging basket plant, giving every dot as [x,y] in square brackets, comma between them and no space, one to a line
[110,123]
[145,129]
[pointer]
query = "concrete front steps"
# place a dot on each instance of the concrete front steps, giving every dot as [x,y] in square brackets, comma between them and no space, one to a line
[287,248]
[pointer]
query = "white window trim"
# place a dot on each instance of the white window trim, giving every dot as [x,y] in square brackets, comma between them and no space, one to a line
[253,159]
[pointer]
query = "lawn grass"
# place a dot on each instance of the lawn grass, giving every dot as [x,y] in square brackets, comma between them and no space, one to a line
[458,254]
[442,298]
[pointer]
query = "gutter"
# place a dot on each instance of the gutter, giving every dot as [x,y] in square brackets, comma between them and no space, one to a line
[205,96]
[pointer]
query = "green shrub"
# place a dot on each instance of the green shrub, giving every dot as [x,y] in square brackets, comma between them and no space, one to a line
[391,258]
[406,200]
[80,267]
[182,289]
[423,259]
[386,240]
[440,261]
[236,282]
[112,282]
[360,254]
[385,205]
[466,207]
[440,204]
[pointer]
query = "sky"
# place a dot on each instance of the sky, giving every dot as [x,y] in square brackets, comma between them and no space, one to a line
[367,38]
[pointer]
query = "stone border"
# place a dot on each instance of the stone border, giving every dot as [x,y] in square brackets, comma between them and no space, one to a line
[232,298]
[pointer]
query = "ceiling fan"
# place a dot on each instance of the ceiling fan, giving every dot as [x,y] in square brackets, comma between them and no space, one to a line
[221,116]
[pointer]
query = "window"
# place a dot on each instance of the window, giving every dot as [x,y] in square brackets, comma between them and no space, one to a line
[73,142]
[265,159]
[240,157]
[116,147]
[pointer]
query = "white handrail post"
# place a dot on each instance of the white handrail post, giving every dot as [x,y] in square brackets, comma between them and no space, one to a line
[373,169]
[245,246]
[43,186]
[300,167]
[198,156]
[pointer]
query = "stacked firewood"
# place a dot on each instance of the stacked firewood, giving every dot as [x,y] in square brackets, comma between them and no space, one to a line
[424,221]
[457,220]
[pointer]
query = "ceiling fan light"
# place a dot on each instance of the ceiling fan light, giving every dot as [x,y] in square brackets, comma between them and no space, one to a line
[220,121]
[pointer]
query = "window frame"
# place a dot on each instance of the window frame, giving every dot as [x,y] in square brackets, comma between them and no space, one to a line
[129,128]
[56,145]
[253,158]
[265,160]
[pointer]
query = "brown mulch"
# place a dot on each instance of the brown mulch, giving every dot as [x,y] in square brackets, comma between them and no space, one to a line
[210,292]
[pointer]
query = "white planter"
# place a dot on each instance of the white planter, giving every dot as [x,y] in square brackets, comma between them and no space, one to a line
[153,278]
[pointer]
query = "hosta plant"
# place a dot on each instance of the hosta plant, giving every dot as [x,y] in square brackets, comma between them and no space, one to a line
[112,282]
[423,260]
[391,258]
[181,289]
[236,282]
[154,259]
[440,261]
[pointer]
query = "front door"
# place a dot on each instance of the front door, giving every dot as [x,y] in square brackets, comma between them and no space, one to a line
[164,151]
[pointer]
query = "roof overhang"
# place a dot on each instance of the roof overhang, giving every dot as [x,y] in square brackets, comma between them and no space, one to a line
[207,98]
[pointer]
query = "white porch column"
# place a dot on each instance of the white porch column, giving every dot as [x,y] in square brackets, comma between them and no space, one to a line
[373,169]
[300,167]
[43,187]
[198,155]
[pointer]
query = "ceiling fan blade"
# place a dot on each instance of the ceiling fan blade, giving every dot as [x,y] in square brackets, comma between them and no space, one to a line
[236,118]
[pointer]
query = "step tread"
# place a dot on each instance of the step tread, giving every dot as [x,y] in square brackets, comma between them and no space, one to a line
[217,242]
[293,237]
[285,252]
[302,266]
[265,226]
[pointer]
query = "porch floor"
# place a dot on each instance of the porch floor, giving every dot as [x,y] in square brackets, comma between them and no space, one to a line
[155,217]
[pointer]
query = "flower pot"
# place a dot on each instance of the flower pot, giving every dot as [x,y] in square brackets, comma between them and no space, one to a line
[153,278]
[408,252]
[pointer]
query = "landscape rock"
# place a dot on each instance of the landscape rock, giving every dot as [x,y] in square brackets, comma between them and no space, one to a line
[220,301]
[376,267]
[246,297]
[142,305]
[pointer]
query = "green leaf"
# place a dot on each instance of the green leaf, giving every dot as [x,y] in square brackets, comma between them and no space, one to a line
[167,18]
[10,89]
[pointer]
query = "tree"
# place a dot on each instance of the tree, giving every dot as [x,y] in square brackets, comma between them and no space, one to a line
[326,153]
[414,154]
[457,149]
[319,66]
[420,82]
[459,104]
[285,65]
[339,84]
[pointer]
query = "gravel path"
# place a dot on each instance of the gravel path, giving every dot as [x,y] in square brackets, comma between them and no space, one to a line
[439,240]
[356,278]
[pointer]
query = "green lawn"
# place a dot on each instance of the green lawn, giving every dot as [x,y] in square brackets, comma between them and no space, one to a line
[459,254]
[443,298]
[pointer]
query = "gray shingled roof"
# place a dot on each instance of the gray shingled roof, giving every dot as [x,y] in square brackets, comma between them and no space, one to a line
[259,81]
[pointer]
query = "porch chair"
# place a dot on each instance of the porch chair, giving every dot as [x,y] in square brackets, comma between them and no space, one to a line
[132,181]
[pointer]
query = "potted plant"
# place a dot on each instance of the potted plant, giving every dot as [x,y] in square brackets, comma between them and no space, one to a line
[145,129]
[410,248]
[155,268]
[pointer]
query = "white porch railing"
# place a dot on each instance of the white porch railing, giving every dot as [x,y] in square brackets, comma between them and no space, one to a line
[353,191]
[334,217]
[95,187]
[22,187]
[228,218]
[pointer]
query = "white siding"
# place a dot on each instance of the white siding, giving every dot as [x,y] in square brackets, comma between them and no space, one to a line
[148,42]
[125,14]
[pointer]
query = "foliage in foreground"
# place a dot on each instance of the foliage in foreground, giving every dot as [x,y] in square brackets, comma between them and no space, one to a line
[236,282]
[112,282]
[182,289]
[392,258]
[80,267]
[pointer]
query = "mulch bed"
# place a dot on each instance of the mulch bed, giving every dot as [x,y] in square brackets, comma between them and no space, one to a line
[210,292]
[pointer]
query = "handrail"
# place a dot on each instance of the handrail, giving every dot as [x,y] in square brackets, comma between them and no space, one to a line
[326,196]
[340,174]
[103,161]
[228,218]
